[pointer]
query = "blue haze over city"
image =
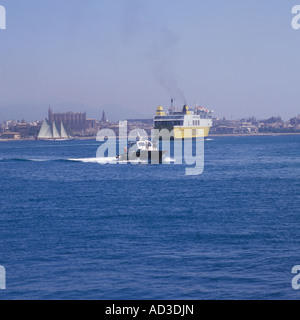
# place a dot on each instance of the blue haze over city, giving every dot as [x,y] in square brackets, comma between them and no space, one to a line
[239,58]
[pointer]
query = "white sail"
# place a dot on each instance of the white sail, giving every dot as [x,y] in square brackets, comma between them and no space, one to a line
[45,132]
[69,132]
[55,132]
[63,132]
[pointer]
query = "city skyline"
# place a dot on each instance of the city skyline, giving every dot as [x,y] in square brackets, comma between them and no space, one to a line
[128,57]
[114,118]
[77,124]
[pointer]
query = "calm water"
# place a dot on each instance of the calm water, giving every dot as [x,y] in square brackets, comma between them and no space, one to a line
[81,230]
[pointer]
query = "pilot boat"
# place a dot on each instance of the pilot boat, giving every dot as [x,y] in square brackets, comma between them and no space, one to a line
[143,150]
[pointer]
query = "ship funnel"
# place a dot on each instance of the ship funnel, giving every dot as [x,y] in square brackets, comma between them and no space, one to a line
[186,110]
[160,111]
[172,106]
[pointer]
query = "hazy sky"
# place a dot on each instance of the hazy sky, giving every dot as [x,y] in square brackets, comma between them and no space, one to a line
[238,57]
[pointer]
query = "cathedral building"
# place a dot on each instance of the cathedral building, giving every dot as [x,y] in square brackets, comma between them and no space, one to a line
[76,121]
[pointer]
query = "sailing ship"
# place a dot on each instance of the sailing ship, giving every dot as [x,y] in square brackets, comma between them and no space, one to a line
[54,131]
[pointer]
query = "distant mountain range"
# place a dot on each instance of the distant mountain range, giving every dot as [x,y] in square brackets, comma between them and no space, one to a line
[34,111]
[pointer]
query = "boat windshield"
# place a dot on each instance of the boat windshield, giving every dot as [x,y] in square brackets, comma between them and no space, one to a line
[141,144]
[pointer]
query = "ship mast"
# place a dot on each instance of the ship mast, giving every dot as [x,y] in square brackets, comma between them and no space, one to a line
[172,106]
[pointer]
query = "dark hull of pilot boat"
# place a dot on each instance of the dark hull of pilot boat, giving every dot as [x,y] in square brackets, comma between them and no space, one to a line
[154,157]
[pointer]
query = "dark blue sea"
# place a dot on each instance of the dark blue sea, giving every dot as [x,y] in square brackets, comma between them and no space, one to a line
[71,228]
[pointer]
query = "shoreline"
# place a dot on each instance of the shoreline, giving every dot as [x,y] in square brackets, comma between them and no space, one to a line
[209,136]
[253,134]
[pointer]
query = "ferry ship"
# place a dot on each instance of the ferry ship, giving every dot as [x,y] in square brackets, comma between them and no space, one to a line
[188,123]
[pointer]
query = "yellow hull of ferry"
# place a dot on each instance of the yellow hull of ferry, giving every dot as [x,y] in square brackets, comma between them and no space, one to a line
[191,132]
[183,133]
